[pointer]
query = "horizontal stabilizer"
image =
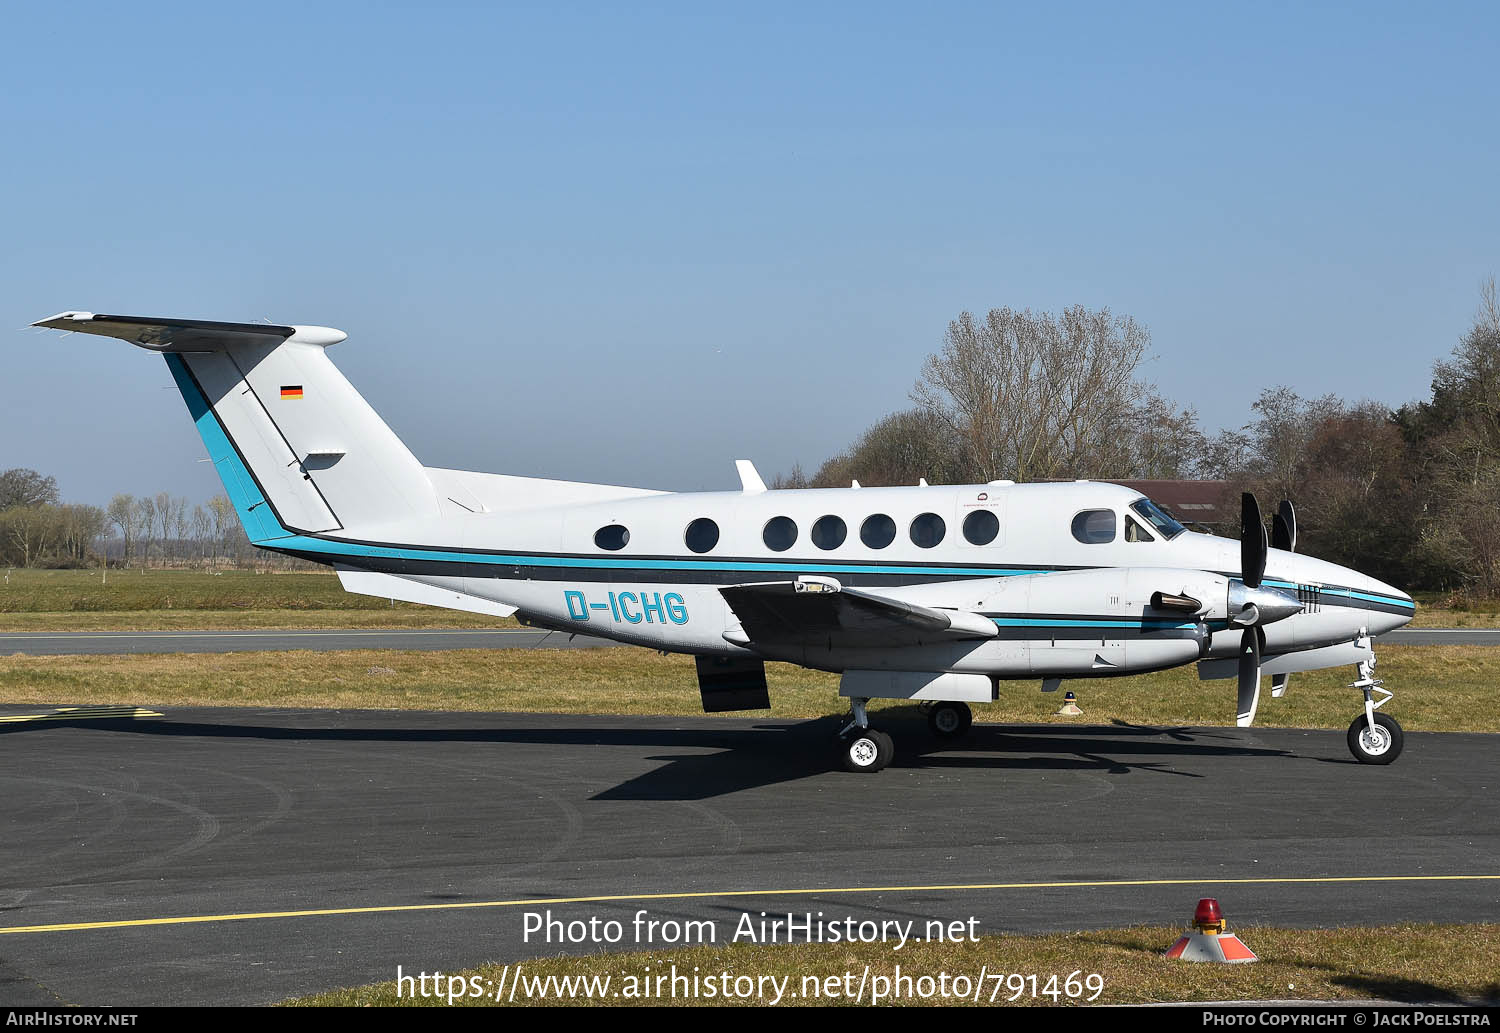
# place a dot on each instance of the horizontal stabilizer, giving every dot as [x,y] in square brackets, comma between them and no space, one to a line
[187,335]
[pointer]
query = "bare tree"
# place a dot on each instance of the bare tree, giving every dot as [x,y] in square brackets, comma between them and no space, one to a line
[145,516]
[900,449]
[162,504]
[29,530]
[1038,395]
[1165,442]
[202,533]
[122,512]
[225,522]
[795,479]
[179,526]
[79,527]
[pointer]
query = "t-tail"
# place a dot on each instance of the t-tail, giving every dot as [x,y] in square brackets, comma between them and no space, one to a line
[299,451]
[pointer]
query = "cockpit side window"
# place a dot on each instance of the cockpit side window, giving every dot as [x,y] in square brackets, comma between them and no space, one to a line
[1158,518]
[1095,526]
[1134,532]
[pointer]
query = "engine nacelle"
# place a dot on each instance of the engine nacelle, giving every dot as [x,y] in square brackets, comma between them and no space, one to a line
[1109,620]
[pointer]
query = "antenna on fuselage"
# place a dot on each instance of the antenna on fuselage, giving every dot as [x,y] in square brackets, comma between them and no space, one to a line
[750,482]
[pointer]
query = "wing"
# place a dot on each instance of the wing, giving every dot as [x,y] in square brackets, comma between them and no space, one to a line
[821,611]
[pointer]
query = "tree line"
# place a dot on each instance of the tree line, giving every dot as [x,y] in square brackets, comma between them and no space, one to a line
[1409,494]
[37,529]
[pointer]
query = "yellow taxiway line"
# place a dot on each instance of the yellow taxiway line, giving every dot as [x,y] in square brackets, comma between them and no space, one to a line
[817,891]
[77,714]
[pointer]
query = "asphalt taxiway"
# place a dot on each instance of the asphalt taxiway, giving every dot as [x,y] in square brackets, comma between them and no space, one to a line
[245,856]
[50,643]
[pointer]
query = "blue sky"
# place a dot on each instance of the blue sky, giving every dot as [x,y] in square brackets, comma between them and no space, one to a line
[633,243]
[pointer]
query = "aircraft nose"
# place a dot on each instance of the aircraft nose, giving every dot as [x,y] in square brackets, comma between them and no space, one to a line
[1394,607]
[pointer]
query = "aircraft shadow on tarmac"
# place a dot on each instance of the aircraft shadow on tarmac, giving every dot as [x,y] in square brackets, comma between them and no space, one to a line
[707,761]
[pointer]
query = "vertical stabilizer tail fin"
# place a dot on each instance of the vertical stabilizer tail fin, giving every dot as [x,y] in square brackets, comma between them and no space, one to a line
[297,447]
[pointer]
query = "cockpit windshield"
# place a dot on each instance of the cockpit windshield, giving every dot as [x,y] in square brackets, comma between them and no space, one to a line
[1157,518]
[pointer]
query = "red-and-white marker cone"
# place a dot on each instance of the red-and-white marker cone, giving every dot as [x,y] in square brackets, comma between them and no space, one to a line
[1208,941]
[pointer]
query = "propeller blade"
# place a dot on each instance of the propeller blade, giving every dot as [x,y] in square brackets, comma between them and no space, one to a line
[1249,694]
[1252,541]
[1284,527]
[1278,684]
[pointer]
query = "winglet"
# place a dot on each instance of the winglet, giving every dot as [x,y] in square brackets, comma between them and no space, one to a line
[750,482]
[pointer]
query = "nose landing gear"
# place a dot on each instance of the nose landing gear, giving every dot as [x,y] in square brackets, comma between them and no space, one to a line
[1374,738]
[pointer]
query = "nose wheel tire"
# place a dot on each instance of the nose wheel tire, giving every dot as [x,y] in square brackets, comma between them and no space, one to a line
[1379,745]
[866,750]
[949,720]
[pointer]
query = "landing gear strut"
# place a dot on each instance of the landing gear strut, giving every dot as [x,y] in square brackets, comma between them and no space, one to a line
[1374,738]
[862,748]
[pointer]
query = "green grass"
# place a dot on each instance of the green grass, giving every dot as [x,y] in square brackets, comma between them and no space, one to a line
[86,591]
[399,617]
[1439,688]
[161,600]
[1414,963]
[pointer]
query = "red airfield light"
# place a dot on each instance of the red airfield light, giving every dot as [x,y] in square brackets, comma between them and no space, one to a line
[1207,940]
[1208,918]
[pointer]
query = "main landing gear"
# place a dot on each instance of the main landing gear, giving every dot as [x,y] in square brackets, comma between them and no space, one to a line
[862,748]
[949,720]
[1374,738]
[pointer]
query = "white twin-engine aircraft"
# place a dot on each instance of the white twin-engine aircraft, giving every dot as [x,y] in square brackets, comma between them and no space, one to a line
[926,593]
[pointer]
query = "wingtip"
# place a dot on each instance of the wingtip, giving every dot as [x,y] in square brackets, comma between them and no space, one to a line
[51,322]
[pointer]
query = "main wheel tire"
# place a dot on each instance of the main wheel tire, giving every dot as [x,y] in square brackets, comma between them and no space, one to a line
[1378,746]
[887,747]
[863,751]
[949,720]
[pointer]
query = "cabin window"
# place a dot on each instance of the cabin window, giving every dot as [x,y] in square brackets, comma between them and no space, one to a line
[701,535]
[829,532]
[611,538]
[927,530]
[1158,518]
[1095,526]
[981,526]
[780,534]
[1134,532]
[877,531]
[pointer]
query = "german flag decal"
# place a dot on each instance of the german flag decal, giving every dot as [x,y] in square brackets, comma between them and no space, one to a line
[291,391]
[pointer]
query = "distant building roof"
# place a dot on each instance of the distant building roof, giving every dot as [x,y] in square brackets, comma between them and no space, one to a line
[1198,502]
